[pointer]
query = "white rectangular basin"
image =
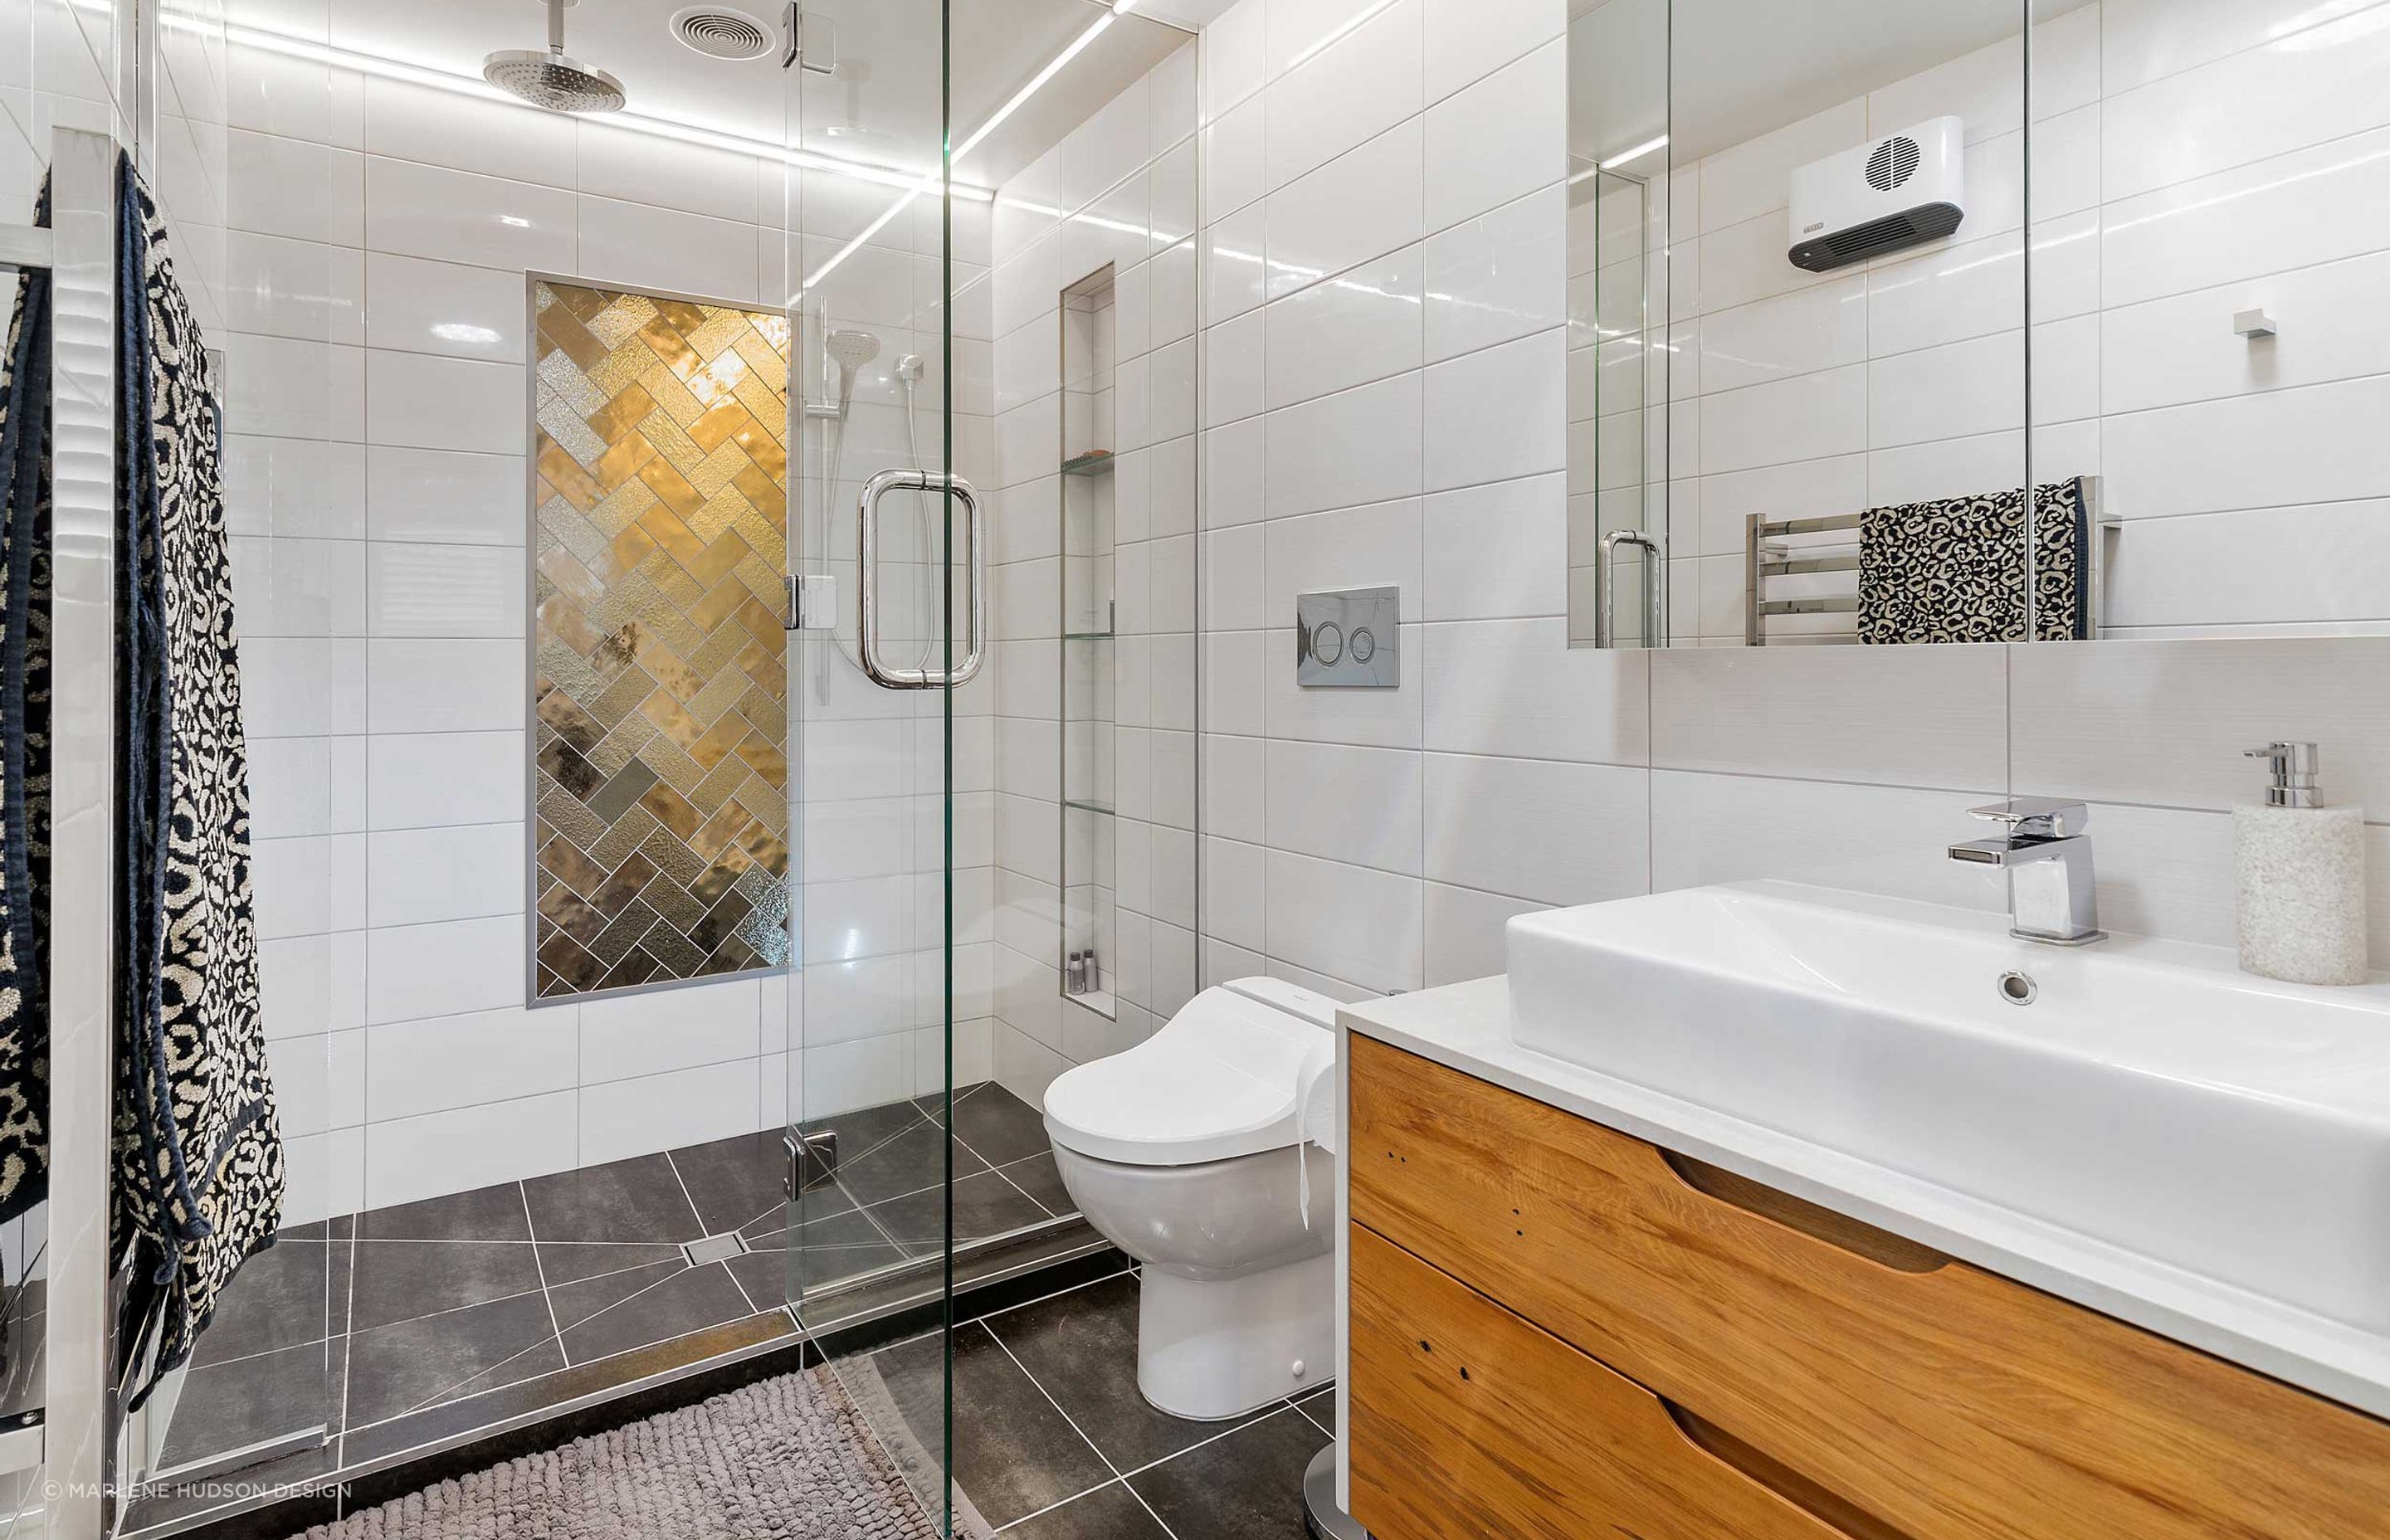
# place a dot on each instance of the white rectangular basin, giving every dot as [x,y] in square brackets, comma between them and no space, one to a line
[2150,1095]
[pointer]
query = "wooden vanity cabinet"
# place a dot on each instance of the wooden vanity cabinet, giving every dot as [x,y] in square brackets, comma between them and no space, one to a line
[1561,1330]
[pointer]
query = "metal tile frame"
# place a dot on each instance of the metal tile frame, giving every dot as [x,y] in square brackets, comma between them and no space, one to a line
[533,277]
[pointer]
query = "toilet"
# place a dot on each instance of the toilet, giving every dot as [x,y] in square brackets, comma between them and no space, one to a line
[1206,1152]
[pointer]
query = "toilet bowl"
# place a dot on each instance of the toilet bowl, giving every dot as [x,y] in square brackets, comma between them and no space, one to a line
[1205,1152]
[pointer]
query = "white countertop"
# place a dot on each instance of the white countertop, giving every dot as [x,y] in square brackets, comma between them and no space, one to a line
[1467,1027]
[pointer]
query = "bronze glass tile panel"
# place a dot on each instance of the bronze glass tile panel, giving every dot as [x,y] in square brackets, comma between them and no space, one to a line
[658,523]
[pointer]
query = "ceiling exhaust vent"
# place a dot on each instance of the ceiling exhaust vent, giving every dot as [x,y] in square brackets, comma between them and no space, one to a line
[719,32]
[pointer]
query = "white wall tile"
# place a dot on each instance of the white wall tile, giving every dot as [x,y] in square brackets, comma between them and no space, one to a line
[410,1158]
[1911,716]
[421,123]
[1549,831]
[1498,139]
[1358,446]
[1515,687]
[444,496]
[452,216]
[1873,838]
[1361,84]
[1498,412]
[417,876]
[1496,550]
[419,780]
[1470,39]
[1360,325]
[412,1067]
[444,969]
[1360,806]
[626,1036]
[446,307]
[1498,275]
[1465,932]
[1352,923]
[642,245]
[1361,205]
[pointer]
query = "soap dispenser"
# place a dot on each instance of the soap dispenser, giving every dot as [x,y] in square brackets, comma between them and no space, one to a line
[2300,869]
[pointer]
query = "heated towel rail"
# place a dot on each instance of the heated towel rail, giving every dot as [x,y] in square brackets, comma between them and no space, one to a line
[1764,558]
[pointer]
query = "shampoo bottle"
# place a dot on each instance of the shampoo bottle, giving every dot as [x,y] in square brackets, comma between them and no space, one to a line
[2300,868]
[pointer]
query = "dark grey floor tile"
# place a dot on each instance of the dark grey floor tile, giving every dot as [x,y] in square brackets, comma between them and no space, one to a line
[396,1368]
[736,1182]
[688,1300]
[1014,1454]
[485,1213]
[764,1276]
[545,1358]
[985,1205]
[566,1262]
[935,1106]
[911,1161]
[232,1406]
[1106,1513]
[635,1200]
[866,1129]
[1319,1406]
[1038,1177]
[575,1302]
[839,1246]
[1247,1485]
[344,1254]
[1082,1347]
[281,1297]
[999,1128]
[398,1280]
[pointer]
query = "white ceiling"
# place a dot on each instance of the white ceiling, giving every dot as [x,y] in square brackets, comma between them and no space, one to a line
[882,105]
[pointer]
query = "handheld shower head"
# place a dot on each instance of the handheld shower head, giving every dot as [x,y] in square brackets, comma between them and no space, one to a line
[552,79]
[850,351]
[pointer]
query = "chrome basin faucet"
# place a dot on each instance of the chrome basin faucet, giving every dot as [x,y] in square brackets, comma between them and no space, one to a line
[2048,856]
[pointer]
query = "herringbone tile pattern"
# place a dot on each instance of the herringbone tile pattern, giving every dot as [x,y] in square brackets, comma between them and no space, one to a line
[662,723]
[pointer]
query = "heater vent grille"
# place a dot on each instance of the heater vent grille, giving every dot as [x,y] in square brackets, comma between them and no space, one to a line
[1895,162]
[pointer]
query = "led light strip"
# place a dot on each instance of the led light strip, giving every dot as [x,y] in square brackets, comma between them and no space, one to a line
[932,182]
[635,122]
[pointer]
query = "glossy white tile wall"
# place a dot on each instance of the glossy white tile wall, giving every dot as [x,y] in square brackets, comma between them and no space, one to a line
[376,304]
[1117,189]
[1366,841]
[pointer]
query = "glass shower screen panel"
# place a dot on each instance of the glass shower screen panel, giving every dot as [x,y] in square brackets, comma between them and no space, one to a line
[880,649]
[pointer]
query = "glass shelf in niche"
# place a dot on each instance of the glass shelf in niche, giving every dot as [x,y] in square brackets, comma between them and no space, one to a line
[1078,806]
[1095,462]
[1090,635]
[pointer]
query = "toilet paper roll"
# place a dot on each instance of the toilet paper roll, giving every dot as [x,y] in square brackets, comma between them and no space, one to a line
[1316,1096]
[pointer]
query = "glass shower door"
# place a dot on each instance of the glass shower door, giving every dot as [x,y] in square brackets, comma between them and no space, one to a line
[889,629]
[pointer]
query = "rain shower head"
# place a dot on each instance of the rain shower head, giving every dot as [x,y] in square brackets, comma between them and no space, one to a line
[552,79]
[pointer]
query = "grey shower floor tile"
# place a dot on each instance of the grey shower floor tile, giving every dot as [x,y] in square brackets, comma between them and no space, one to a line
[986,1205]
[999,1128]
[735,1182]
[640,1198]
[688,1301]
[1014,1452]
[485,1213]
[398,1280]
[909,1162]
[1108,1513]
[396,1368]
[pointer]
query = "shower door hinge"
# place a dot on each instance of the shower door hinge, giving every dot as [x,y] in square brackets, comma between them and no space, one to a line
[813,601]
[813,42]
[812,1160]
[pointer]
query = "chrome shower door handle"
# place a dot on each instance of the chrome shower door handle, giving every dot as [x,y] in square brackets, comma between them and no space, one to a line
[1655,579]
[890,676]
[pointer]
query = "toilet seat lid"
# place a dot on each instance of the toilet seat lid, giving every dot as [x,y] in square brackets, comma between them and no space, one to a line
[1222,1079]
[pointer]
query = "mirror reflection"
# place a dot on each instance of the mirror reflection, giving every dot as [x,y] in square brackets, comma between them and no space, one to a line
[1841,375]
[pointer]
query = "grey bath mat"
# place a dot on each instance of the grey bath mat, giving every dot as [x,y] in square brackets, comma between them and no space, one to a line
[786,1459]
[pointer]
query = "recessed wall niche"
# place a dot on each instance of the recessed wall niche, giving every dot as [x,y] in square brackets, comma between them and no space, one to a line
[659,529]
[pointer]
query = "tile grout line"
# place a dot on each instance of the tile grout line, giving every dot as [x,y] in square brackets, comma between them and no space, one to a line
[1005,1349]
[530,1229]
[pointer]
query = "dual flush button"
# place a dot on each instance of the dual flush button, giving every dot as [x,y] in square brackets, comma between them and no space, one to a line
[1348,639]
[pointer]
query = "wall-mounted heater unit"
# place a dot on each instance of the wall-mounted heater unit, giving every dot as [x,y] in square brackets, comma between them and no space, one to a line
[1896,191]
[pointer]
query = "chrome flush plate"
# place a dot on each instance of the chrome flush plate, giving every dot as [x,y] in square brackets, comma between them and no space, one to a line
[1348,639]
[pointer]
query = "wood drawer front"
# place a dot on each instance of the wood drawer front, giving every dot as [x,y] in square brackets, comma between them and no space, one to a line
[1467,1421]
[1948,1402]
